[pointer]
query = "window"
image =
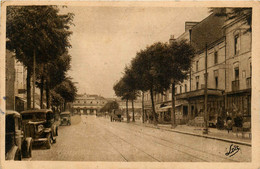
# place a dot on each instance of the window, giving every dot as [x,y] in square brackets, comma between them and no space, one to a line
[237,44]
[197,65]
[180,89]
[176,90]
[236,73]
[185,87]
[215,57]
[197,82]
[216,78]
[216,82]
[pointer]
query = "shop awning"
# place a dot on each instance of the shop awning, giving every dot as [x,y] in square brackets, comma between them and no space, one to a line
[166,108]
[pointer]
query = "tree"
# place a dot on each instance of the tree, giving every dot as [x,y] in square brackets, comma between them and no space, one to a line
[122,89]
[37,32]
[67,90]
[56,99]
[232,13]
[151,68]
[160,66]
[131,81]
[109,106]
[181,54]
[47,80]
[60,66]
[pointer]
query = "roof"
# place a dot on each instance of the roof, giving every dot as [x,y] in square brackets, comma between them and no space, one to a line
[37,111]
[12,112]
[207,32]
[89,97]
[66,112]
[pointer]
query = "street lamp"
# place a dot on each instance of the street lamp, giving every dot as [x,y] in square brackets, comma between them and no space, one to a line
[173,104]
[205,130]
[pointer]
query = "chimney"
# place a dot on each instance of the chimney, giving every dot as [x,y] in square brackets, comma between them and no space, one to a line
[189,25]
[171,39]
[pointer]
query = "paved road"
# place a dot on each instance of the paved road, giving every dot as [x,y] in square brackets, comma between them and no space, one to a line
[91,138]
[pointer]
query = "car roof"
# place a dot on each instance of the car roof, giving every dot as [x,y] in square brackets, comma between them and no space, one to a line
[37,111]
[66,112]
[12,112]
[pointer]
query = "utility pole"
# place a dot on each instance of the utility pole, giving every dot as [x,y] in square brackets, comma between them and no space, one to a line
[34,64]
[206,93]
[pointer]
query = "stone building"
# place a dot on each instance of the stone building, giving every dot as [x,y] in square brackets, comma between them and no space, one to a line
[15,83]
[88,104]
[227,45]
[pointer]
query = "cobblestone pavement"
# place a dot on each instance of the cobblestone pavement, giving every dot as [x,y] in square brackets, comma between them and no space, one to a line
[91,138]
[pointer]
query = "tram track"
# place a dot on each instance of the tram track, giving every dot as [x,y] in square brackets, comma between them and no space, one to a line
[188,148]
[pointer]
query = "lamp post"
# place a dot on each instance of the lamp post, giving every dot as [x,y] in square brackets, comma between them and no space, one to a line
[205,131]
[173,104]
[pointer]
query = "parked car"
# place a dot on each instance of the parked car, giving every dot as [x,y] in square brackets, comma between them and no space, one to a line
[65,118]
[17,145]
[40,125]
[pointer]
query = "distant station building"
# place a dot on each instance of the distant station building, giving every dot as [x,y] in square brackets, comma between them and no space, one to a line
[88,104]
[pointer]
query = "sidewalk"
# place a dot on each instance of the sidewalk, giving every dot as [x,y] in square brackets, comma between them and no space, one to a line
[214,133]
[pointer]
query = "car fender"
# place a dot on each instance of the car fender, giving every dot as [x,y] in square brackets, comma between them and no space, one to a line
[11,154]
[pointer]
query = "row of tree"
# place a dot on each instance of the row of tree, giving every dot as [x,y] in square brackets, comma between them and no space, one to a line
[155,69]
[161,66]
[39,35]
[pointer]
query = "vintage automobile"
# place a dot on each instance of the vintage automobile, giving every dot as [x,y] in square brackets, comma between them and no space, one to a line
[65,118]
[40,125]
[116,115]
[16,144]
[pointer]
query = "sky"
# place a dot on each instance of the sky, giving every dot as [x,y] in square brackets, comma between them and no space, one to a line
[106,39]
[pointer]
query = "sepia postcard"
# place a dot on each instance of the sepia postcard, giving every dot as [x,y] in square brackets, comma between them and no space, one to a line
[129,84]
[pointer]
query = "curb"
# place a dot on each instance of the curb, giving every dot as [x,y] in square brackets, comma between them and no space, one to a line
[198,135]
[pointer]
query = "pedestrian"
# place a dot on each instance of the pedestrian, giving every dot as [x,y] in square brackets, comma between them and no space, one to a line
[229,123]
[238,120]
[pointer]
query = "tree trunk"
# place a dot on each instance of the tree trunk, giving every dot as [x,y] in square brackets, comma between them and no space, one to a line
[127,115]
[153,108]
[47,94]
[133,109]
[28,88]
[173,119]
[41,91]
[143,107]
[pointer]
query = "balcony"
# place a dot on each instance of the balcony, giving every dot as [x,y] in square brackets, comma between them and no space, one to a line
[235,85]
[248,83]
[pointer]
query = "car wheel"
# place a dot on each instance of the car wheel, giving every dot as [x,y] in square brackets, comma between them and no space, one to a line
[48,142]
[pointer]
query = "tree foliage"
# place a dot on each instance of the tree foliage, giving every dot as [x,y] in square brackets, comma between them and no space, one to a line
[38,29]
[109,106]
[67,90]
[232,13]
[42,32]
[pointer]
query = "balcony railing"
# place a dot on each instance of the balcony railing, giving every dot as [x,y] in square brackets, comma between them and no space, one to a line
[248,83]
[235,85]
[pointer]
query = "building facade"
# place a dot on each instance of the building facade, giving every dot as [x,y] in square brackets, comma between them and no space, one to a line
[88,104]
[225,48]
[15,83]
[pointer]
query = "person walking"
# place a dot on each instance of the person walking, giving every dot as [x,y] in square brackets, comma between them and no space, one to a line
[229,123]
